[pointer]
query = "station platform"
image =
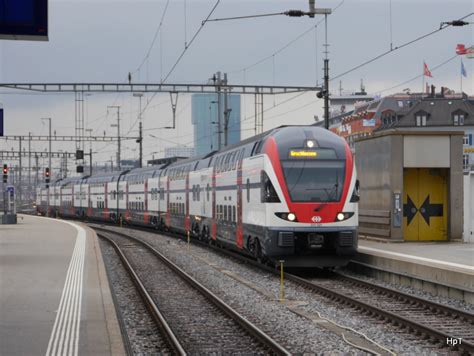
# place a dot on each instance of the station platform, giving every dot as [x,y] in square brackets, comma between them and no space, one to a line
[54,293]
[441,268]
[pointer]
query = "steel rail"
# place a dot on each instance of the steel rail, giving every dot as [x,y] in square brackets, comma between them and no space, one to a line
[265,339]
[148,300]
[389,316]
[413,299]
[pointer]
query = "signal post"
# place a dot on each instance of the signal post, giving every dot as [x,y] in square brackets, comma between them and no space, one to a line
[9,209]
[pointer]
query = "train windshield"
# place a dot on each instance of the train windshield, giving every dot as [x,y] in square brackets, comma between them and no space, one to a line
[314,181]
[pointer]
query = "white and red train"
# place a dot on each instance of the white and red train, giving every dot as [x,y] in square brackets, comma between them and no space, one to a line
[288,194]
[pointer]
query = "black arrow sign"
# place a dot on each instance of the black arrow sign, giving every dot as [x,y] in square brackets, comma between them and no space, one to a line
[409,210]
[428,210]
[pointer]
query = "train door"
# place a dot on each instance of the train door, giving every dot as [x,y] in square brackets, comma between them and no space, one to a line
[425,204]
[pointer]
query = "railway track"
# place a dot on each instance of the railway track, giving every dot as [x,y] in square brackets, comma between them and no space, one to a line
[188,313]
[431,321]
[426,319]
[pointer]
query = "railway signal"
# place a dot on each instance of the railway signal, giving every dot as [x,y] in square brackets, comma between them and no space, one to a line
[47,176]
[5,173]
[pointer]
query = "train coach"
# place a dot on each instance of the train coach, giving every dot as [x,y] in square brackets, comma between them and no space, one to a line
[288,194]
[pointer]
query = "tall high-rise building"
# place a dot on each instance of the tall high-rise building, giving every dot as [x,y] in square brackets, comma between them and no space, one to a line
[205,121]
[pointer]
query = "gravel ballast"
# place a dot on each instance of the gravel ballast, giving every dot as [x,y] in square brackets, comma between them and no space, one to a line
[254,293]
[144,336]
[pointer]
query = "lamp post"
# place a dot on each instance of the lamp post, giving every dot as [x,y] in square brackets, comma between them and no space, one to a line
[211,122]
[49,160]
[118,132]
[140,129]
[90,151]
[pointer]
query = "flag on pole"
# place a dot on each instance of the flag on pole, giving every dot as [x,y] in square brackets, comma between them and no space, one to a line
[463,70]
[426,71]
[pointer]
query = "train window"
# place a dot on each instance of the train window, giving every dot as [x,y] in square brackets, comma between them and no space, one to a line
[225,212]
[208,190]
[235,154]
[199,192]
[248,190]
[227,160]
[253,148]
[229,212]
[233,214]
[221,163]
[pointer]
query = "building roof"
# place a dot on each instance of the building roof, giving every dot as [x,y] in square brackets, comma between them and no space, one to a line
[439,112]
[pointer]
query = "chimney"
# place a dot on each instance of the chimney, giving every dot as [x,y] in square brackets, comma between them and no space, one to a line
[443,91]
[433,91]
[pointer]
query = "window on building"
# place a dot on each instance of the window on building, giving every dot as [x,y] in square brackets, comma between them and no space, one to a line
[458,118]
[465,140]
[465,162]
[420,120]
[400,103]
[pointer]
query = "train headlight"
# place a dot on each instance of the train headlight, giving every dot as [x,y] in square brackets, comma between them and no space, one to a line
[310,143]
[343,216]
[291,217]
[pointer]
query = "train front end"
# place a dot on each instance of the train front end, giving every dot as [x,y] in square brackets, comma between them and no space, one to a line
[310,192]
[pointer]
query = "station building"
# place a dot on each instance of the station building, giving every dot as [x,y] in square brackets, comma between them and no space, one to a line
[411,185]
[434,112]
[411,152]
[438,113]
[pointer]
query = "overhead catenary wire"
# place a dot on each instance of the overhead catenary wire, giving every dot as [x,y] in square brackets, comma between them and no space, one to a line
[419,75]
[288,44]
[383,54]
[245,17]
[155,36]
[362,64]
[182,54]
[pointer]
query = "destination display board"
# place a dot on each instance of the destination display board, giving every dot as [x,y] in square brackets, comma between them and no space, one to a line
[24,20]
[316,153]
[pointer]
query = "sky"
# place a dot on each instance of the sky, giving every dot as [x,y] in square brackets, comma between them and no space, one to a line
[104,40]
